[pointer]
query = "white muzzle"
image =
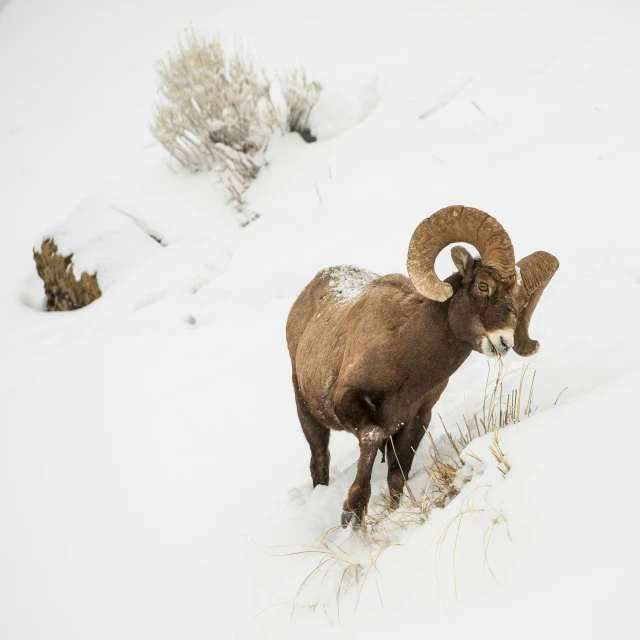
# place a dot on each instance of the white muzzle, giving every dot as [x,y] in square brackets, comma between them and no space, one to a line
[497,343]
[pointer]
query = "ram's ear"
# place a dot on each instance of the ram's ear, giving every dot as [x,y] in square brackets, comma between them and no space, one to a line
[464,262]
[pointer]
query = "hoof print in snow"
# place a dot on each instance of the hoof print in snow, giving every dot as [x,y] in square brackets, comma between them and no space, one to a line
[63,291]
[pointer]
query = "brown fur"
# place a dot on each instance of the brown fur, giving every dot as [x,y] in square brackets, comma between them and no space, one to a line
[376,365]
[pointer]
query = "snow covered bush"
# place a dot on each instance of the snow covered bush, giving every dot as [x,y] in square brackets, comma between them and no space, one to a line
[216,110]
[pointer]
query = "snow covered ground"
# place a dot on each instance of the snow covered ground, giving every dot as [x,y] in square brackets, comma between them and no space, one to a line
[153,475]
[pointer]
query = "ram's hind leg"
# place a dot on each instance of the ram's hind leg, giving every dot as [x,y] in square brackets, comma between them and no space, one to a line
[318,438]
[357,500]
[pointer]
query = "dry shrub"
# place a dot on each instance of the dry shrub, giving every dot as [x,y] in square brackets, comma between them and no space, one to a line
[216,110]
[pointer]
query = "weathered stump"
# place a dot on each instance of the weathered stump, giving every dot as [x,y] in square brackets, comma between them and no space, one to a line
[63,291]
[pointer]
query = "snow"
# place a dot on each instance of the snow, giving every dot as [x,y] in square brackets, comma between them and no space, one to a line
[346,282]
[153,474]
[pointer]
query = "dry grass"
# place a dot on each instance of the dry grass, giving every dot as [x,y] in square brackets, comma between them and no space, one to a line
[445,467]
[498,454]
[342,563]
[446,473]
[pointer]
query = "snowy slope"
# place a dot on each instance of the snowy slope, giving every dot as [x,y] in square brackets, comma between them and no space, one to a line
[153,475]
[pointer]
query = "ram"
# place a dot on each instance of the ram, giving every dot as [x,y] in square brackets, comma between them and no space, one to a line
[372,354]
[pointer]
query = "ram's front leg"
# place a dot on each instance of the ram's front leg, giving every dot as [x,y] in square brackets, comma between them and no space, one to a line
[357,500]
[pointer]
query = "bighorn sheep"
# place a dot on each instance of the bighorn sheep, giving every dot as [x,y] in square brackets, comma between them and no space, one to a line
[372,355]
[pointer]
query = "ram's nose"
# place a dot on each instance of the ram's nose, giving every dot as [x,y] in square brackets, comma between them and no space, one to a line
[500,341]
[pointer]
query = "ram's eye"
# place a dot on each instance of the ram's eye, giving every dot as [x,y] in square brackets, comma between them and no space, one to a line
[483,287]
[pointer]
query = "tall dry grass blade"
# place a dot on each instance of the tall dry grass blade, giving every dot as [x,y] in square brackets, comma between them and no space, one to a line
[406,484]
[558,398]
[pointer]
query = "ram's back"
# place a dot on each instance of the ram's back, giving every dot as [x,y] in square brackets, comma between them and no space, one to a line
[326,296]
[341,310]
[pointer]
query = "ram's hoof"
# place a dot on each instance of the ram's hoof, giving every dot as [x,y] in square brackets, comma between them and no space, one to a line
[350,518]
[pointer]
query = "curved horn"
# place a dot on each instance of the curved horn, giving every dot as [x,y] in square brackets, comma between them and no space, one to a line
[536,271]
[456,224]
